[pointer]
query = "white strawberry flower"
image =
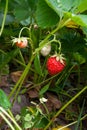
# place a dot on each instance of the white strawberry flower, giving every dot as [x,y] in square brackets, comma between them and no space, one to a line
[42,100]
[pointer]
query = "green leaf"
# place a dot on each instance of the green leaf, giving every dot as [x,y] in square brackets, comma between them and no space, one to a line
[5,58]
[21,14]
[82,7]
[84,30]
[37,64]
[44,89]
[45,16]
[32,4]
[61,6]
[56,6]
[79,58]
[71,40]
[9,19]
[4,102]
[28,117]
[41,123]
[69,5]
[22,10]
[5,70]
[25,22]
[80,19]
[27,125]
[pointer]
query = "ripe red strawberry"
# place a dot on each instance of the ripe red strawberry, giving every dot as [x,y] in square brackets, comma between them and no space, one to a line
[55,64]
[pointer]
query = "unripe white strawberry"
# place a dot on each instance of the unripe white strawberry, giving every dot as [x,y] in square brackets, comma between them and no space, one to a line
[45,50]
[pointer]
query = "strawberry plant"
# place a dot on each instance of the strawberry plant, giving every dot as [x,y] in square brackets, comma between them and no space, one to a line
[45,40]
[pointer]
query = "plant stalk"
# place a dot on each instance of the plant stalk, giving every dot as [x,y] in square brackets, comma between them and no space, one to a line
[21,80]
[2,109]
[7,121]
[4,18]
[73,123]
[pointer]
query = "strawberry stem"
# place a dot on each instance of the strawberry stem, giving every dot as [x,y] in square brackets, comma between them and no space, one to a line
[22,30]
[59,46]
[4,18]
[29,29]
